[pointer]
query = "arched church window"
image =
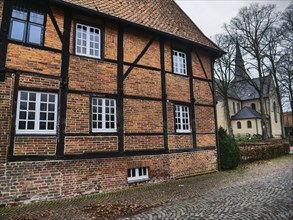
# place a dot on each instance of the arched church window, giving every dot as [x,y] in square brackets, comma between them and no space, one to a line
[239,125]
[234,109]
[275,112]
[249,125]
[253,106]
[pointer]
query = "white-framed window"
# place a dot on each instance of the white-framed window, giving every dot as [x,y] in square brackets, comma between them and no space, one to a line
[104,115]
[27,25]
[36,113]
[138,174]
[179,62]
[88,41]
[182,118]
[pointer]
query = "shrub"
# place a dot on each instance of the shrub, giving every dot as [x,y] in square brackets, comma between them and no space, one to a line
[229,151]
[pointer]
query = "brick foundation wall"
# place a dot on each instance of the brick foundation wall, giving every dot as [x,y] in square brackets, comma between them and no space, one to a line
[23,182]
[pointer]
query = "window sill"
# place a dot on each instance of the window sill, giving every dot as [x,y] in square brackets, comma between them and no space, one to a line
[87,56]
[138,180]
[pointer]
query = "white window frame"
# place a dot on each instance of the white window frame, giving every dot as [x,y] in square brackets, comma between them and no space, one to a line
[87,54]
[136,177]
[181,62]
[103,129]
[37,120]
[180,109]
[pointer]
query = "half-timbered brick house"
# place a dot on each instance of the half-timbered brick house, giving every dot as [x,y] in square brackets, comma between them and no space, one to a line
[99,95]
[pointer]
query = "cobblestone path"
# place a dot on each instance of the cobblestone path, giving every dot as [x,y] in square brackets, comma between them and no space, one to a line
[262,190]
[268,196]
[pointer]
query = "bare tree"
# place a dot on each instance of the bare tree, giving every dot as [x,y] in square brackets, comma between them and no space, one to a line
[224,72]
[285,69]
[273,61]
[250,28]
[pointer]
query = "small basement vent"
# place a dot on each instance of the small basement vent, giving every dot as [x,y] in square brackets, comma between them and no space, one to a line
[138,174]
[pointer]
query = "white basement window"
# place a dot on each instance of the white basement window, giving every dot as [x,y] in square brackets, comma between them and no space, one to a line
[36,113]
[182,119]
[104,115]
[88,41]
[179,62]
[138,174]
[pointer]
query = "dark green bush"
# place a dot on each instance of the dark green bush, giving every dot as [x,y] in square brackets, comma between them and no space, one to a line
[229,151]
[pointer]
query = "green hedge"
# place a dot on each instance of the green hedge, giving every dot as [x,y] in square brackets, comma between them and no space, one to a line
[229,151]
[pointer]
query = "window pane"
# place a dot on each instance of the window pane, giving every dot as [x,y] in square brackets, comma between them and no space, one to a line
[23,105]
[43,97]
[21,125]
[31,115]
[37,17]
[35,34]
[43,125]
[19,13]
[17,30]
[52,98]
[23,96]
[31,125]
[22,115]
[50,125]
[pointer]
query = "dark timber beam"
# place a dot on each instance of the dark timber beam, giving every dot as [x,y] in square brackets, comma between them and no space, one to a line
[164,94]
[120,98]
[64,84]
[139,57]
[53,19]
[192,99]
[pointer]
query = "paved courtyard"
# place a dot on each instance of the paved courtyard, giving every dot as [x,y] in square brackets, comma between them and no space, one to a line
[262,190]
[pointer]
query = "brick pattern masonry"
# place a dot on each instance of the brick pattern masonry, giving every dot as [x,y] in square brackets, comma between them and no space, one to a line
[40,69]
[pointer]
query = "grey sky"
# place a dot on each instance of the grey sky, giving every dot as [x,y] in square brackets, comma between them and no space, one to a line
[210,15]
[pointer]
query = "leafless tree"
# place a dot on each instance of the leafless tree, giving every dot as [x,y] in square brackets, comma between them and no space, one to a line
[250,27]
[224,72]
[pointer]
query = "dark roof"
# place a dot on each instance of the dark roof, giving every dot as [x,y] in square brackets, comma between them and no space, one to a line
[162,15]
[246,113]
[243,90]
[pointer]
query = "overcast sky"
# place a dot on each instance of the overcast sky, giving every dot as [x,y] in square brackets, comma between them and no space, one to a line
[210,15]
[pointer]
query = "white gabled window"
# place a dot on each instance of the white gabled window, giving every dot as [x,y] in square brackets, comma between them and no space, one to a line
[182,118]
[104,115]
[88,41]
[138,174]
[36,113]
[179,62]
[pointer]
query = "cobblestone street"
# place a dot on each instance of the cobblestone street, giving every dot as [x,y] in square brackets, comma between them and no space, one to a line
[262,190]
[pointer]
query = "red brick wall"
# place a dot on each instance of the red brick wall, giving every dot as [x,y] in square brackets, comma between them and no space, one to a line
[33,60]
[90,144]
[46,180]
[168,58]
[6,94]
[204,140]
[38,82]
[202,93]
[92,75]
[52,39]
[197,68]
[204,119]
[192,163]
[170,117]
[143,83]
[143,143]
[78,113]
[180,142]
[142,116]
[111,38]
[177,87]
[135,42]
[34,145]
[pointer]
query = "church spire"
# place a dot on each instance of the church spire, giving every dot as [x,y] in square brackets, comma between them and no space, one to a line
[240,72]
